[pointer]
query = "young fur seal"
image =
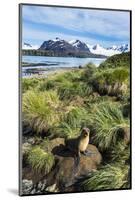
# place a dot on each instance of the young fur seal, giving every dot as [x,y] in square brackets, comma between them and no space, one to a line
[79,145]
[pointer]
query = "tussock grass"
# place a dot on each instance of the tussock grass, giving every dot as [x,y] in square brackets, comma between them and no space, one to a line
[111,81]
[108,177]
[117,61]
[89,70]
[68,90]
[110,76]
[41,109]
[47,84]
[29,83]
[107,119]
[65,130]
[72,121]
[40,160]
[120,153]
[76,117]
[73,75]
[97,98]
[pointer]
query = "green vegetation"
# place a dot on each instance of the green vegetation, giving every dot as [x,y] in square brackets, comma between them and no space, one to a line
[97,98]
[120,153]
[41,110]
[107,119]
[29,84]
[119,60]
[111,81]
[40,160]
[108,177]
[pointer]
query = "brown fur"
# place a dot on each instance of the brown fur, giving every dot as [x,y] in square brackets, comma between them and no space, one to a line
[79,144]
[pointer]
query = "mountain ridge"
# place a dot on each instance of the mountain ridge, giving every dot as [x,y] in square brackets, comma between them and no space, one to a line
[76,47]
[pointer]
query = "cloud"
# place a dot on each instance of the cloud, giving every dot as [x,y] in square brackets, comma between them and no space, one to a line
[29,35]
[99,23]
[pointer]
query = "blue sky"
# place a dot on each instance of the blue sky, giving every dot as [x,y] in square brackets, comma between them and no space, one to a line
[91,26]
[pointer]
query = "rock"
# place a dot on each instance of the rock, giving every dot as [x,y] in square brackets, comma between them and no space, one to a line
[53,143]
[64,170]
[41,185]
[52,188]
[25,148]
[27,186]
[63,174]
[126,135]
[33,191]
[31,140]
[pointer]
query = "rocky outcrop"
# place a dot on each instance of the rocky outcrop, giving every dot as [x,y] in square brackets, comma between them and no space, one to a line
[64,174]
[28,187]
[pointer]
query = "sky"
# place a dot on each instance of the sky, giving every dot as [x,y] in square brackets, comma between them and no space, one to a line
[104,27]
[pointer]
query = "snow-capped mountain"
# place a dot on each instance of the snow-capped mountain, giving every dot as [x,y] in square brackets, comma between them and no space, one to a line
[60,47]
[81,46]
[121,48]
[63,47]
[56,45]
[27,46]
[98,49]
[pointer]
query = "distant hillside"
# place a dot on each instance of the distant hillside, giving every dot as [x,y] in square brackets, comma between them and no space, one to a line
[120,60]
[39,52]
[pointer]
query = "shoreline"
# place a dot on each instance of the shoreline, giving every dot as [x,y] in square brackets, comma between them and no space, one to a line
[50,72]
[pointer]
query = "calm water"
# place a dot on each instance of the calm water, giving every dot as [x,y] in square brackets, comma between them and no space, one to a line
[47,64]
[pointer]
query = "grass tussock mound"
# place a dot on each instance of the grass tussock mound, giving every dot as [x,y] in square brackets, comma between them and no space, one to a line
[41,110]
[108,177]
[112,81]
[107,119]
[41,161]
[28,84]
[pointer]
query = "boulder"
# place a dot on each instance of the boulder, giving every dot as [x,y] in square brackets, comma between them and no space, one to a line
[66,173]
